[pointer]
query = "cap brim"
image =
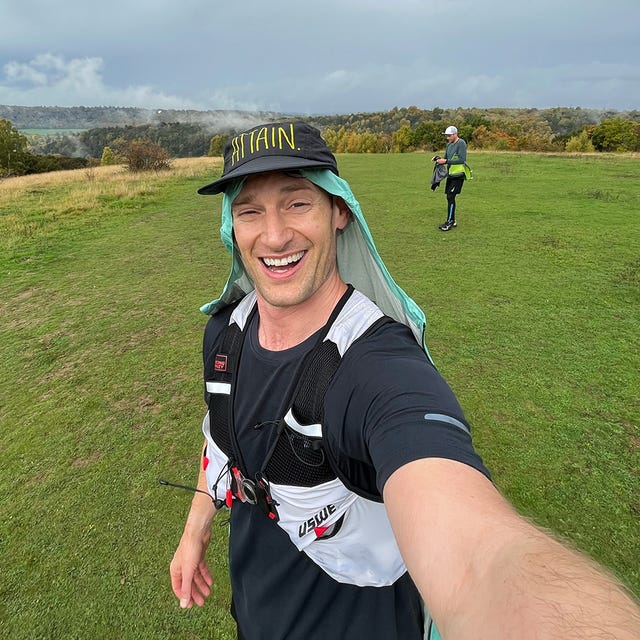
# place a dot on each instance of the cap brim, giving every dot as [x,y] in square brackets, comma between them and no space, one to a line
[263,165]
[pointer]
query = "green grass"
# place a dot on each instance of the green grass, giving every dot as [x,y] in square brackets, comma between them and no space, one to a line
[533,310]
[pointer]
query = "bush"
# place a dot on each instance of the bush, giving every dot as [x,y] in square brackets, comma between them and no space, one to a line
[45,164]
[144,155]
[217,144]
[580,143]
[109,157]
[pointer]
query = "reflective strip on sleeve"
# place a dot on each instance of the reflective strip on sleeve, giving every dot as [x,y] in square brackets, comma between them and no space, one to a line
[441,417]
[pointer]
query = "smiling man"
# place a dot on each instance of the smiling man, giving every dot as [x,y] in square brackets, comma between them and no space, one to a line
[285,230]
[358,506]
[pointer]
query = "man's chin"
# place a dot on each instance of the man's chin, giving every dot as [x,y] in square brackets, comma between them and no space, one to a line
[280,297]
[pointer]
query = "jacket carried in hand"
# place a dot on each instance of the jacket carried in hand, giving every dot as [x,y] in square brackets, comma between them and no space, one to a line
[440,172]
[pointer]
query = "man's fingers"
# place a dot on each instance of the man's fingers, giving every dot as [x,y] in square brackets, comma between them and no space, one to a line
[194,587]
[185,597]
[181,579]
[186,587]
[176,579]
[190,576]
[201,587]
[206,574]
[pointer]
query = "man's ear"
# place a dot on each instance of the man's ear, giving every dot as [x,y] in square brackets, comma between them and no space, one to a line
[343,212]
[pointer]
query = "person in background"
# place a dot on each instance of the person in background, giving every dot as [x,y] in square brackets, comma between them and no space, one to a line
[358,505]
[455,157]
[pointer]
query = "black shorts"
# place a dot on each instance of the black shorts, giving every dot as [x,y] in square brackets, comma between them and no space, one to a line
[453,186]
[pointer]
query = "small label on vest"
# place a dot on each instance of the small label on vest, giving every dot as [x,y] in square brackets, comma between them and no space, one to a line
[220,363]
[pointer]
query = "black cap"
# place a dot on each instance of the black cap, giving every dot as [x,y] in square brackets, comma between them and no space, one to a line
[277,146]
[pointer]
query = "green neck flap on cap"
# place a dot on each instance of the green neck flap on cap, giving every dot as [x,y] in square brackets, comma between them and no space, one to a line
[359,262]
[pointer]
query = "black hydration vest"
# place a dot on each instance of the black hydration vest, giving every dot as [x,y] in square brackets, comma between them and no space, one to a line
[343,528]
[298,457]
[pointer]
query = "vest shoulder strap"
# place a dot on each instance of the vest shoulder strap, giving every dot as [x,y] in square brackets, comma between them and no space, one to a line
[322,364]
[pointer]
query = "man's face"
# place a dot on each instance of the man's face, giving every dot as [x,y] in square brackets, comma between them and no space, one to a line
[285,229]
[451,137]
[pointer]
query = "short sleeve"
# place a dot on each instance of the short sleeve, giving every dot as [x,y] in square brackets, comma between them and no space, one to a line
[388,405]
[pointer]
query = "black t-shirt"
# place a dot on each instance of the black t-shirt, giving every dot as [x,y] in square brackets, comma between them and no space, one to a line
[379,411]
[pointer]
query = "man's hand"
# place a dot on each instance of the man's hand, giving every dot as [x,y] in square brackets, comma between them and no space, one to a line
[190,576]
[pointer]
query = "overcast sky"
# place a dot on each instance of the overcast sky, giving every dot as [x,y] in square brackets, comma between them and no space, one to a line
[312,57]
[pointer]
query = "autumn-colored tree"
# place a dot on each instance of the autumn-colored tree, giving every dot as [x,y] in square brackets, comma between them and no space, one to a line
[217,144]
[616,134]
[580,143]
[401,139]
[428,136]
[484,138]
[108,157]
[336,139]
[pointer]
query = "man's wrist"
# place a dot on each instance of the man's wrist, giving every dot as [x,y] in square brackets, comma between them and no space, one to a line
[201,513]
[199,524]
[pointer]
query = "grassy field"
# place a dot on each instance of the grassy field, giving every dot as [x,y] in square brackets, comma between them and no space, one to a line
[533,305]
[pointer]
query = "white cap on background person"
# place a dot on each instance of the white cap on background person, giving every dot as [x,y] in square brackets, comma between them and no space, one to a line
[449,131]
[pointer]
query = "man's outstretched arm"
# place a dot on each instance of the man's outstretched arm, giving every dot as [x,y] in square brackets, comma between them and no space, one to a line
[485,572]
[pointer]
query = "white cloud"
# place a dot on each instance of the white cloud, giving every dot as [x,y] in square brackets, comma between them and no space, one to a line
[51,70]
[51,79]
[17,72]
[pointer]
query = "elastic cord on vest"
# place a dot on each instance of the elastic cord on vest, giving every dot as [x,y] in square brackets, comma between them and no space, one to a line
[218,504]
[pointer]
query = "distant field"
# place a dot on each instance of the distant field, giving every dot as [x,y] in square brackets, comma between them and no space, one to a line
[49,132]
[533,309]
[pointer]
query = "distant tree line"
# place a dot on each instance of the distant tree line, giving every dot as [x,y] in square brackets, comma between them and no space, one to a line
[400,130]
[16,158]
[179,139]
[97,117]
[412,129]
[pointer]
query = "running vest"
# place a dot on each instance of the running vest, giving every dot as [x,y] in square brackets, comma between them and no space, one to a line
[460,171]
[345,532]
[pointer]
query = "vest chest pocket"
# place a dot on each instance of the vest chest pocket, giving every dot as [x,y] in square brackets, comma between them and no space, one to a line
[298,458]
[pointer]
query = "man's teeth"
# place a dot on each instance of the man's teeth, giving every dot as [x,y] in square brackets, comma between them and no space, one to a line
[283,262]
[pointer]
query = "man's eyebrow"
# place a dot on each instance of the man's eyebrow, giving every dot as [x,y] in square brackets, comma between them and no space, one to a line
[291,188]
[248,197]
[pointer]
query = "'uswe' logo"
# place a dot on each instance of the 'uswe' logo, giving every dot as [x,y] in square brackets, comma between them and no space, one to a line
[316,520]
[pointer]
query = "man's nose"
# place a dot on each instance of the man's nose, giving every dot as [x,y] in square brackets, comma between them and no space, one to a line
[277,232]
